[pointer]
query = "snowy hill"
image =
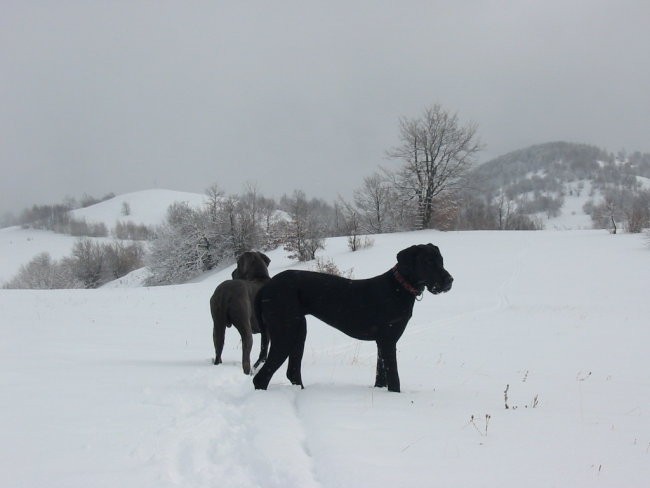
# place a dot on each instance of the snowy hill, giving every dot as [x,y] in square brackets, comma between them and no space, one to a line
[149,207]
[115,387]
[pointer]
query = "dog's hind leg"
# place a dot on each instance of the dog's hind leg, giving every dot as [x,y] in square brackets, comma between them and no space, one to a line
[295,356]
[277,355]
[281,347]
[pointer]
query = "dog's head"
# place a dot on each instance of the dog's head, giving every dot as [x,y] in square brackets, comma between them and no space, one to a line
[252,265]
[422,266]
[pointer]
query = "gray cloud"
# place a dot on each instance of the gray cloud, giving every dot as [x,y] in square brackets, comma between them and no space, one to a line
[123,96]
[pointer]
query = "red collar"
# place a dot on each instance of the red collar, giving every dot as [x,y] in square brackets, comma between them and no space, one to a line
[405,284]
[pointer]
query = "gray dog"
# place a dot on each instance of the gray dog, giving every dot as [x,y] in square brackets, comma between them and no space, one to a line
[232,304]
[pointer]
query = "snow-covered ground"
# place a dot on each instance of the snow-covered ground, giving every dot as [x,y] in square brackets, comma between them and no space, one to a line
[572,215]
[115,387]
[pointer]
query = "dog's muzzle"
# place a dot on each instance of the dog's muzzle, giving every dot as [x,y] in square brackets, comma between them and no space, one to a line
[441,287]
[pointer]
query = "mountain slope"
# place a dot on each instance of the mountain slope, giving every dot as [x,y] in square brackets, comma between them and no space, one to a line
[561,160]
[554,181]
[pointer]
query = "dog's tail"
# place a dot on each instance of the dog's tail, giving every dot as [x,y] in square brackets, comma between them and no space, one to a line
[264,332]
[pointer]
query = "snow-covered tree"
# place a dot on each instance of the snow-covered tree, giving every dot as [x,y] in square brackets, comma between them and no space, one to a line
[184,246]
[192,240]
[44,273]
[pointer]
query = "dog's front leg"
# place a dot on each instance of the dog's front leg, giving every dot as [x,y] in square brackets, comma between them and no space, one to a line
[244,329]
[380,375]
[387,361]
[294,373]
[264,348]
[218,337]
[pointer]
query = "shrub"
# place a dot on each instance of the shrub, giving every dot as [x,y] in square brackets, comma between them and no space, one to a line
[357,242]
[323,265]
[90,266]
[43,273]
[132,231]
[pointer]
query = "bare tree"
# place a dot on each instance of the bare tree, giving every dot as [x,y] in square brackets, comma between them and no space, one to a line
[270,224]
[638,213]
[436,152]
[373,202]
[249,212]
[121,259]
[351,223]
[505,210]
[215,197]
[304,236]
[611,208]
[88,262]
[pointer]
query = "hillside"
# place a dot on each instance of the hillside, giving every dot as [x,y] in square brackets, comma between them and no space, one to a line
[115,387]
[554,181]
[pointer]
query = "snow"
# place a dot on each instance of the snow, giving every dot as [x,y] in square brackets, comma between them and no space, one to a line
[115,387]
[572,215]
[644,182]
[133,279]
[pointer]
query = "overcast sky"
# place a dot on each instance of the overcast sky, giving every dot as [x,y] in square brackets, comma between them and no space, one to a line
[119,96]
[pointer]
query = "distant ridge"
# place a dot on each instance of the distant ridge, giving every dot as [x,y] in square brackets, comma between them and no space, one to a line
[564,160]
[553,181]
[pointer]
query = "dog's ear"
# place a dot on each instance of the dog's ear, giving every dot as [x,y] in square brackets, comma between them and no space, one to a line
[237,272]
[264,257]
[406,256]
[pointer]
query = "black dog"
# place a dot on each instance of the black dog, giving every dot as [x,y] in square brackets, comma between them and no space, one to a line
[375,309]
[232,304]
